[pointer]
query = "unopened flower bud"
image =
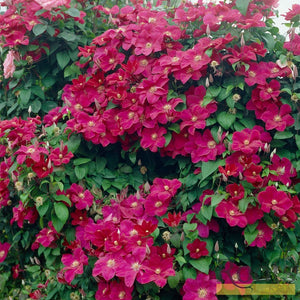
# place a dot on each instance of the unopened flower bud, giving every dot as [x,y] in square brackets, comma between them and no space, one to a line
[242,39]
[207,30]
[217,248]
[272,153]
[207,82]
[236,245]
[182,237]
[29,109]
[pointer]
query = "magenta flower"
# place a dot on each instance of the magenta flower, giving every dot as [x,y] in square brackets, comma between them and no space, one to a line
[80,197]
[283,168]
[106,266]
[273,199]
[4,248]
[233,215]
[156,269]
[197,249]
[248,141]
[201,288]
[265,234]
[129,267]
[278,118]
[60,155]
[235,274]
[73,264]
[153,138]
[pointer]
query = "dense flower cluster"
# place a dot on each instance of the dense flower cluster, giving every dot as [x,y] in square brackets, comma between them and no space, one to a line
[195,93]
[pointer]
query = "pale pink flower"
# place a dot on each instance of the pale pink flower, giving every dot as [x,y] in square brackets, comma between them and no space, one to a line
[48,4]
[8,65]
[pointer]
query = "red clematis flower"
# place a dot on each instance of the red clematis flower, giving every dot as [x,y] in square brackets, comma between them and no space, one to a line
[197,249]
[273,199]
[278,118]
[173,220]
[4,248]
[73,264]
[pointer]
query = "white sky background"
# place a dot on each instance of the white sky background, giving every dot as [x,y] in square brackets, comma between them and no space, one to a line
[284,6]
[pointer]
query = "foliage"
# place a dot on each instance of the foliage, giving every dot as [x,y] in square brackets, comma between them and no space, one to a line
[155,152]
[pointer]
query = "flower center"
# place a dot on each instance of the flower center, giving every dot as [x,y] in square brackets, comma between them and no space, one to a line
[122,295]
[277,118]
[131,115]
[91,124]
[197,57]
[175,59]
[135,266]
[2,253]
[235,277]
[211,144]
[134,204]
[153,89]
[274,202]
[232,212]
[269,90]
[148,45]
[246,142]
[202,293]
[252,74]
[157,271]
[158,204]
[260,233]
[194,118]
[75,263]
[111,263]
[154,136]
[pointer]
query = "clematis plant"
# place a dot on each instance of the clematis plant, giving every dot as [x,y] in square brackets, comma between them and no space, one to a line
[148,151]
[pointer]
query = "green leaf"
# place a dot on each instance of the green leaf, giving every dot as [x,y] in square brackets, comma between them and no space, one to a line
[63,59]
[213,91]
[72,71]
[242,6]
[37,90]
[250,236]
[292,237]
[73,142]
[189,273]
[174,127]
[168,137]
[57,223]
[173,281]
[68,36]
[282,135]
[225,119]
[81,171]
[62,198]
[216,199]
[42,209]
[35,106]
[25,96]
[202,264]
[73,12]
[39,29]
[18,74]
[297,137]
[189,227]
[81,161]
[210,167]
[207,211]
[61,211]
